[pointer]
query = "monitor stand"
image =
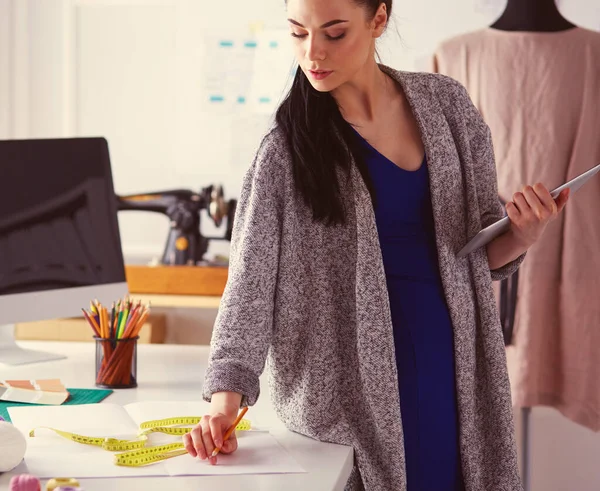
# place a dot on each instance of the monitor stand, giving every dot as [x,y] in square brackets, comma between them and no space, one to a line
[12,354]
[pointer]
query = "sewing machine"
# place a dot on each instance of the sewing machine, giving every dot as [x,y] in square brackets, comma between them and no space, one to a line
[185,244]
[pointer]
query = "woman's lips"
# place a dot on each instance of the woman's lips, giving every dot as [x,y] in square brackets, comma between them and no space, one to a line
[320,74]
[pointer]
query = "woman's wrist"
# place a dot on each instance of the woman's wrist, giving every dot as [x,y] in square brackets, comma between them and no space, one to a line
[226,402]
[504,249]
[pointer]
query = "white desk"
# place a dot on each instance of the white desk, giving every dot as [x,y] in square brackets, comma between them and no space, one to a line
[175,372]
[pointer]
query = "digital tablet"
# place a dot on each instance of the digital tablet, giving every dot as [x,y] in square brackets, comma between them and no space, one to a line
[503,225]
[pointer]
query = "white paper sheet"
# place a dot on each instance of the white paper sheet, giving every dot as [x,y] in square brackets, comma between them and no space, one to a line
[46,458]
[50,455]
[94,419]
[273,70]
[152,410]
[257,453]
[228,60]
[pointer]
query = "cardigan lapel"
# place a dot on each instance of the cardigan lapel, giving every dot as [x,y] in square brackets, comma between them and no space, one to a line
[480,367]
[446,183]
[443,162]
[477,370]
[375,340]
[447,189]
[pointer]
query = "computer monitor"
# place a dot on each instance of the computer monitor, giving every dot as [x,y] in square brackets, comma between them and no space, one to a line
[60,246]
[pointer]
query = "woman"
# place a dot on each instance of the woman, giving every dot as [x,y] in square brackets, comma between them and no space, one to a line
[344,271]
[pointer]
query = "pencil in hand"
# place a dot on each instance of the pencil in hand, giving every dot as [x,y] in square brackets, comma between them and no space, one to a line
[230,431]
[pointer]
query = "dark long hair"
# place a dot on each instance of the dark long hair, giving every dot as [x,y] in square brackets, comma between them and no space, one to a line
[321,142]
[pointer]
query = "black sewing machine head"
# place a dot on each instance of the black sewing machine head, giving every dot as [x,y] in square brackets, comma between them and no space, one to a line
[185,244]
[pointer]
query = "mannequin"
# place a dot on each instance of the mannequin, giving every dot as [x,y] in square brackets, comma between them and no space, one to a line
[532,15]
[533,76]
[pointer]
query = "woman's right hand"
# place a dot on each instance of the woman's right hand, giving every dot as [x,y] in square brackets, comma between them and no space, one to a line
[209,432]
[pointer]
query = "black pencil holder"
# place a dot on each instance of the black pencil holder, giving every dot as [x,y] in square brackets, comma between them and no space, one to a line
[116,363]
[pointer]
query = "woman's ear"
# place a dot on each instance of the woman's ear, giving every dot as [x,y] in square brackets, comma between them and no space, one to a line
[380,20]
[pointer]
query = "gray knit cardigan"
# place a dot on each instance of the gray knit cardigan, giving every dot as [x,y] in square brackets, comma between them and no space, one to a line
[312,302]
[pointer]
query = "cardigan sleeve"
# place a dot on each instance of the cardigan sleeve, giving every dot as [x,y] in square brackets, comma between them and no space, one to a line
[242,332]
[486,180]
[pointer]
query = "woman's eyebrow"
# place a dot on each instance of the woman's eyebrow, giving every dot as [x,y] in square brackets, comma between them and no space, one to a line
[327,24]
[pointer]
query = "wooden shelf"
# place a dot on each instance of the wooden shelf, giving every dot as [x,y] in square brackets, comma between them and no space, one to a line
[183,301]
[77,329]
[204,281]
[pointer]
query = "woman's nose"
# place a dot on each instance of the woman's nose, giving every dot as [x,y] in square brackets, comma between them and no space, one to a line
[314,50]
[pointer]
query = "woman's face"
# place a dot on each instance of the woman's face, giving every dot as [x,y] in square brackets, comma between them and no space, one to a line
[333,39]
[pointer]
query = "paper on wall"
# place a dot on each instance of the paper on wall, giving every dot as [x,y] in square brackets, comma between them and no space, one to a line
[249,71]
[273,70]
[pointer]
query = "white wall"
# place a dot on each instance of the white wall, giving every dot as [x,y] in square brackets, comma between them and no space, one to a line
[5,68]
[563,455]
[14,75]
[131,70]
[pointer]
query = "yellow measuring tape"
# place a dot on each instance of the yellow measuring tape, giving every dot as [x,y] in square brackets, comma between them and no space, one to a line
[135,453]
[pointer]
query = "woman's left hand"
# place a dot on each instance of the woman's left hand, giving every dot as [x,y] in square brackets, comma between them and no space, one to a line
[531,210]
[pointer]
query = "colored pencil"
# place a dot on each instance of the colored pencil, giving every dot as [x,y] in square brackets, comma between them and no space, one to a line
[111,322]
[92,322]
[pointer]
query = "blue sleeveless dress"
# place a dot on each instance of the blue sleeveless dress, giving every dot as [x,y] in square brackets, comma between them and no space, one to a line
[422,326]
